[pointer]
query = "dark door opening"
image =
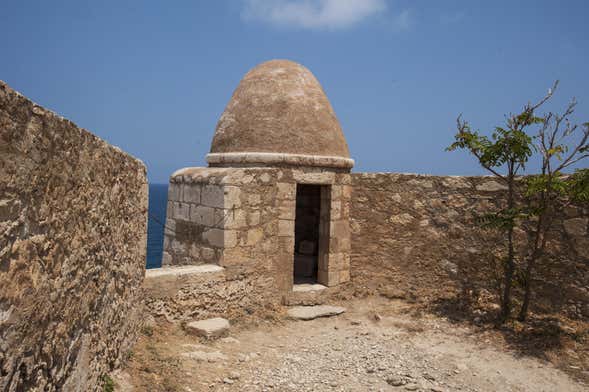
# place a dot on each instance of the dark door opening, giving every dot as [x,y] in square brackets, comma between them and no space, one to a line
[307,221]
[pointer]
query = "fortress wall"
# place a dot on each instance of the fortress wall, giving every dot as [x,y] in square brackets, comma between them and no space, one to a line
[73,221]
[414,236]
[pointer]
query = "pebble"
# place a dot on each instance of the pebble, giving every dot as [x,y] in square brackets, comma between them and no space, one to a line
[395,381]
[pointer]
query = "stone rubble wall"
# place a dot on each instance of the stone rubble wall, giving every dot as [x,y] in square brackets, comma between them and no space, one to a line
[414,236]
[203,295]
[73,223]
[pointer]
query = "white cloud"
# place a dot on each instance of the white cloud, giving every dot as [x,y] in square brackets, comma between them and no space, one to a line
[316,14]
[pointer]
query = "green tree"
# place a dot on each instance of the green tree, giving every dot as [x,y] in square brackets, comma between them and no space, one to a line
[551,190]
[505,154]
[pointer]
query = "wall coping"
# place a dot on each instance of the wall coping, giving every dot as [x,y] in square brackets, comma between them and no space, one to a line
[182,270]
[272,158]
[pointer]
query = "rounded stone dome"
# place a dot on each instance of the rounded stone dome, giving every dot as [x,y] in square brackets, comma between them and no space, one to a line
[279,114]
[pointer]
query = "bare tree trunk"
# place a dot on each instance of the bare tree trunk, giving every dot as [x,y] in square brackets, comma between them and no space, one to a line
[523,313]
[538,251]
[510,265]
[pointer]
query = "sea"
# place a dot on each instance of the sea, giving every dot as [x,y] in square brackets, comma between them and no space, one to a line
[158,199]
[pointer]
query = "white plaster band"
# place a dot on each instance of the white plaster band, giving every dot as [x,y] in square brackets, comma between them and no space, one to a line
[272,158]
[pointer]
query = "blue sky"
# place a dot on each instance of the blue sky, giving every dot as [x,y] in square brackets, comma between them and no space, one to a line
[152,77]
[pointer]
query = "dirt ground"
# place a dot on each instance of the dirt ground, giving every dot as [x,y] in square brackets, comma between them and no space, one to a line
[377,345]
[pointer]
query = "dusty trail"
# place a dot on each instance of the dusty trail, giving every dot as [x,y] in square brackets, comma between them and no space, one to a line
[368,348]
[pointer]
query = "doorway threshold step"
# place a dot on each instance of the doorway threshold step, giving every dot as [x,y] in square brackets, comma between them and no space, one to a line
[308,294]
[307,287]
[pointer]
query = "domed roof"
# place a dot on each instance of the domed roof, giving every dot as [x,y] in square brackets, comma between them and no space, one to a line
[279,114]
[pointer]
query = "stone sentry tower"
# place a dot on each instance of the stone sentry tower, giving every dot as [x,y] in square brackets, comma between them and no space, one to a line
[275,199]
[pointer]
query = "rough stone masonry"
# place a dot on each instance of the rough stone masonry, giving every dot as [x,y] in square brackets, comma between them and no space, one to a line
[415,234]
[411,234]
[73,215]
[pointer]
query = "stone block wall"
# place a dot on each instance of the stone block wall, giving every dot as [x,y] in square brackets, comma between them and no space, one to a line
[194,221]
[73,217]
[249,227]
[415,234]
[221,216]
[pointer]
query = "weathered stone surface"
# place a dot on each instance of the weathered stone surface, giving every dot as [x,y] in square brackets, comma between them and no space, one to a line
[191,193]
[286,191]
[212,196]
[247,238]
[214,237]
[254,236]
[423,240]
[181,211]
[202,215]
[581,245]
[207,253]
[231,197]
[324,177]
[313,312]
[175,192]
[208,295]
[286,228]
[269,159]
[210,328]
[328,277]
[72,251]
[310,294]
[272,103]
[308,287]
[490,186]
[181,270]
[576,226]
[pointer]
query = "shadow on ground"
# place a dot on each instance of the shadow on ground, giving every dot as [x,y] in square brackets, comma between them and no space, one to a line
[549,337]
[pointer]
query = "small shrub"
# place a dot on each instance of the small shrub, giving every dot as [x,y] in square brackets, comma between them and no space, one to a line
[108,385]
[147,330]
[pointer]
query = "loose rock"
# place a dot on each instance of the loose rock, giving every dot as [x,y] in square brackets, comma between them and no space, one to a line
[210,328]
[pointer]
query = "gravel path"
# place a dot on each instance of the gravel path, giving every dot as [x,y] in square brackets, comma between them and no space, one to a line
[364,349]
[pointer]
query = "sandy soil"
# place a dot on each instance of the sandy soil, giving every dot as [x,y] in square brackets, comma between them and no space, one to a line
[377,345]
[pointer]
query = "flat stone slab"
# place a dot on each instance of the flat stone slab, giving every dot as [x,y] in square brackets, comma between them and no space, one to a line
[182,270]
[209,328]
[307,287]
[313,312]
